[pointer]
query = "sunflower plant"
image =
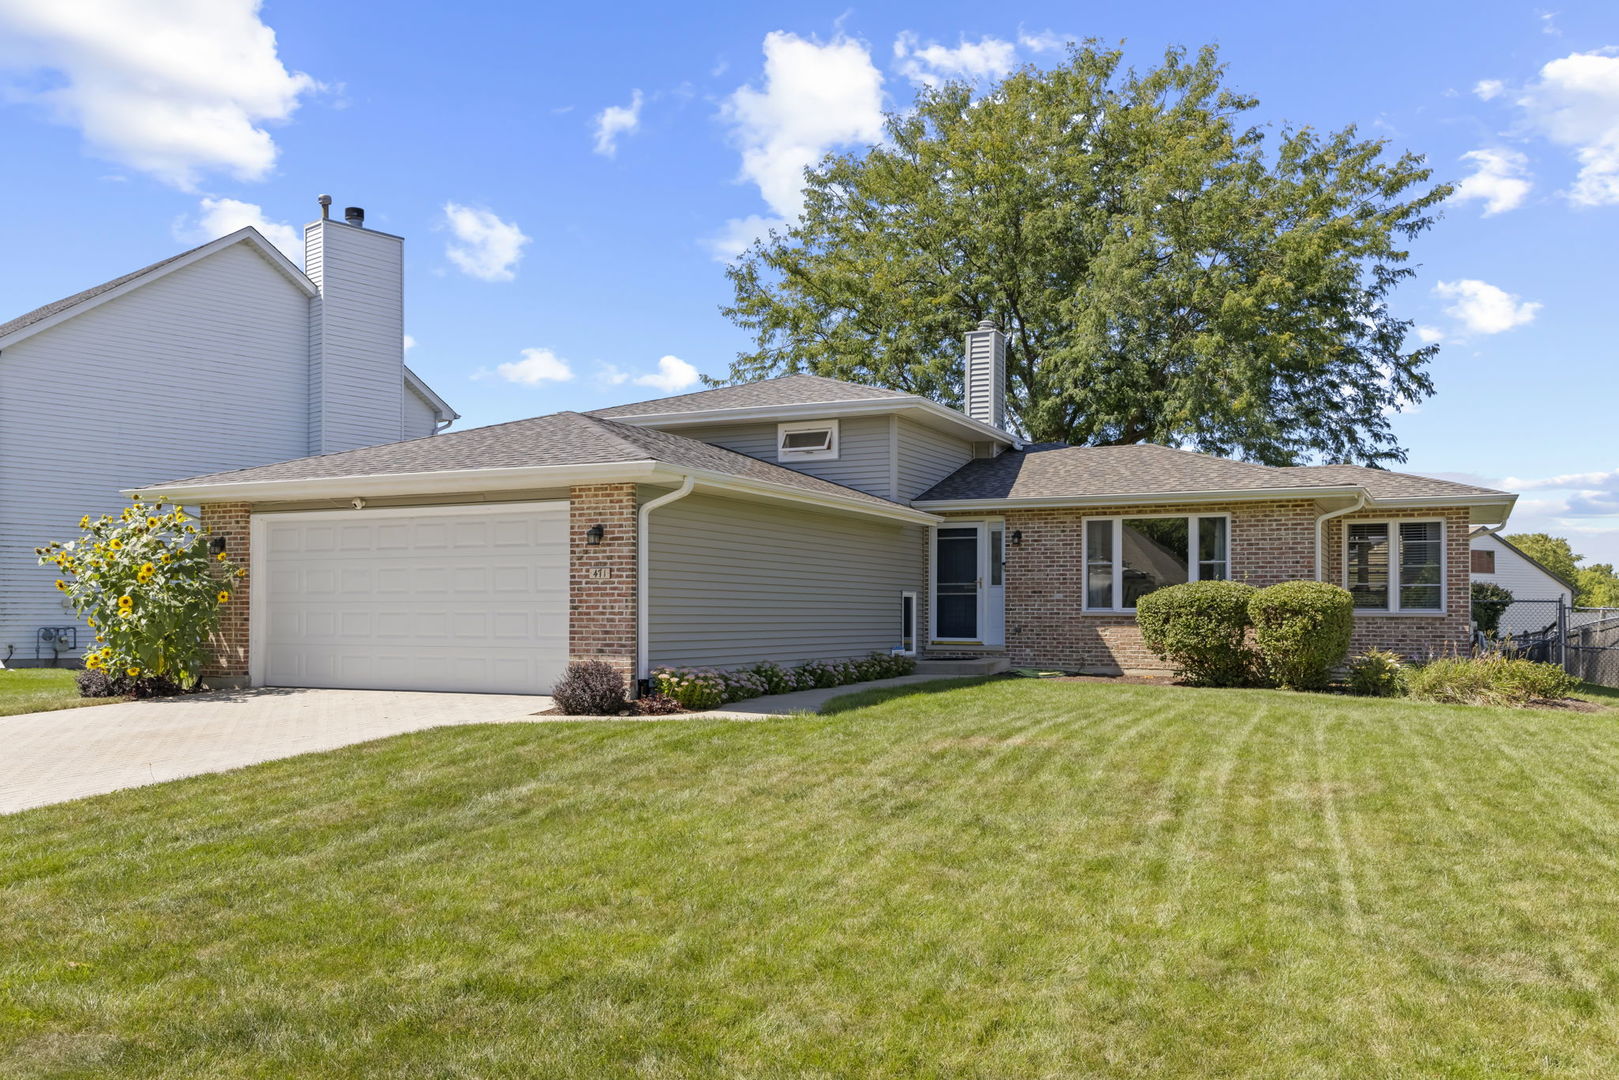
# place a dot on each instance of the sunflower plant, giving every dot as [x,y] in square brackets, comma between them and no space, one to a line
[148,587]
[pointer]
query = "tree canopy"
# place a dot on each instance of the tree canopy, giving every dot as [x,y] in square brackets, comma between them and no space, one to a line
[1163,273]
[1596,585]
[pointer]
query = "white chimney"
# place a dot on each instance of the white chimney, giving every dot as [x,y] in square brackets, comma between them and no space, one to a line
[983,387]
[356,332]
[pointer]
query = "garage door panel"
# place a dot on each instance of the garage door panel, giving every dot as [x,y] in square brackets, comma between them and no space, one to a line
[469,600]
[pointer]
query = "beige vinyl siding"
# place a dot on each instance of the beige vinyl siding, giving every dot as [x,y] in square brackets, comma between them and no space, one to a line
[202,370]
[863,450]
[733,582]
[926,456]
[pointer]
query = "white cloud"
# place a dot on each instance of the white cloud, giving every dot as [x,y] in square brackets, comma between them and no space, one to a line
[617,120]
[1429,335]
[410,343]
[1488,89]
[485,247]
[1483,308]
[1566,481]
[673,375]
[1499,178]
[174,89]
[1575,103]
[1041,41]
[738,234]
[537,366]
[931,64]
[815,98]
[219,217]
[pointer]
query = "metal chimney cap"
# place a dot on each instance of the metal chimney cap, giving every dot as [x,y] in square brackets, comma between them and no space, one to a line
[325,206]
[354,215]
[988,324]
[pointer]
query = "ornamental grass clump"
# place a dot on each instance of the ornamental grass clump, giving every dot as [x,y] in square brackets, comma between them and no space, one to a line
[1302,631]
[146,585]
[1201,629]
[1378,673]
[1490,680]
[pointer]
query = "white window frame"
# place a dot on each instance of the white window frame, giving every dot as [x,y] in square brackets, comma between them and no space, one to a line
[1393,525]
[827,453]
[909,594]
[1193,567]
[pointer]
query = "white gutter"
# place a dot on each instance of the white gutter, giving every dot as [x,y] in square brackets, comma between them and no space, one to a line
[643,560]
[1144,498]
[816,410]
[1320,524]
[433,482]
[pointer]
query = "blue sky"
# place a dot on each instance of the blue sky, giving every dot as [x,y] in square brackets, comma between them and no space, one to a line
[564,183]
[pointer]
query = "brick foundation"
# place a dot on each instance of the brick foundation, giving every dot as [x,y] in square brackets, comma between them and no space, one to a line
[1270,542]
[602,579]
[228,665]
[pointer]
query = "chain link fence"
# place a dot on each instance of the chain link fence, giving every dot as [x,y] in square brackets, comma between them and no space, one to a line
[1584,641]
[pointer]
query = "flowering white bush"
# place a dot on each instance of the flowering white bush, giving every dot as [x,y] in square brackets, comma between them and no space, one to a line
[709,688]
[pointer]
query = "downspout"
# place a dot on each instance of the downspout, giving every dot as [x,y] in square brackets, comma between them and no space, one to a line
[643,559]
[1320,523]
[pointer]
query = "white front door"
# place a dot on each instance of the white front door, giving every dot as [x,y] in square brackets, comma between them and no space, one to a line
[968,586]
[471,599]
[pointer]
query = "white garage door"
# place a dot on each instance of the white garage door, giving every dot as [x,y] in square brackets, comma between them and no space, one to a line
[425,599]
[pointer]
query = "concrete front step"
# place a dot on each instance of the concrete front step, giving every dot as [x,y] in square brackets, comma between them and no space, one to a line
[982,665]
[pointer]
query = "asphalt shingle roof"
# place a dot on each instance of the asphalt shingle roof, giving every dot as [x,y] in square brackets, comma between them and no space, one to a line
[56,307]
[1053,470]
[785,390]
[564,438]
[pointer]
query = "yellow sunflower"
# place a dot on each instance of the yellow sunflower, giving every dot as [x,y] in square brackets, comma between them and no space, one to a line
[220,557]
[223,596]
[126,602]
[84,522]
[60,584]
[132,672]
[116,544]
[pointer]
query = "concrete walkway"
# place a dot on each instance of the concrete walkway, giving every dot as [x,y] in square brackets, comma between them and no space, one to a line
[55,756]
[51,757]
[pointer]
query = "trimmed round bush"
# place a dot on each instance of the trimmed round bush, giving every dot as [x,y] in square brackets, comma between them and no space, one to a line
[590,688]
[1490,602]
[1201,629]
[1302,631]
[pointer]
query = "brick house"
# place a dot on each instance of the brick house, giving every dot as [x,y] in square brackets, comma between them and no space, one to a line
[792,519]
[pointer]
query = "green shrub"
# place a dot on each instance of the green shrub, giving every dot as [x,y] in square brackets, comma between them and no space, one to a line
[709,688]
[1201,629]
[1378,673]
[1490,602]
[1489,680]
[1302,631]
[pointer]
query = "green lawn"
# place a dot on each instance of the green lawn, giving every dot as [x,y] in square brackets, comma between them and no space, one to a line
[1011,879]
[24,690]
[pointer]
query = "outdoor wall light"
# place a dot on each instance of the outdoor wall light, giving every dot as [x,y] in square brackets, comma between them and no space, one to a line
[1017,537]
[594,534]
[216,546]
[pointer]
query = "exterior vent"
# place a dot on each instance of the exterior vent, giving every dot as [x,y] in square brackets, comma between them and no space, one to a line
[984,381]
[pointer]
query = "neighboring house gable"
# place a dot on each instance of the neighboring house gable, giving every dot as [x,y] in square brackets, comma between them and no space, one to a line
[200,362]
[1494,559]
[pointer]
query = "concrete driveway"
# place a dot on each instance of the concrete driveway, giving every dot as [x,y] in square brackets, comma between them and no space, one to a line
[54,756]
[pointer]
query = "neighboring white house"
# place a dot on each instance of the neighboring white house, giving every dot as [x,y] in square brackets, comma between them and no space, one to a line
[222,357]
[1496,560]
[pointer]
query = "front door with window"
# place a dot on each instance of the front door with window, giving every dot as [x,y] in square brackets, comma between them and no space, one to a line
[968,589]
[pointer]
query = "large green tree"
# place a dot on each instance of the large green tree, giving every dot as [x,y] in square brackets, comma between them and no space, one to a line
[1596,585]
[1165,271]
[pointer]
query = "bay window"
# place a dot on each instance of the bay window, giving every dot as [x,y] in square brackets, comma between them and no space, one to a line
[1395,566]
[1128,557]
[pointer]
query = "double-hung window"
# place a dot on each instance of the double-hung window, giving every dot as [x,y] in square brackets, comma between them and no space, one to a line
[1128,557]
[1395,566]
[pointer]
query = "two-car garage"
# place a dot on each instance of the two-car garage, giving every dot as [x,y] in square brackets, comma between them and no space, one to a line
[458,598]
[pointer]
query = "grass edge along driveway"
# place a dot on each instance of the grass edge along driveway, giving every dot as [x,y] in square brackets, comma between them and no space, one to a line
[27,690]
[1013,878]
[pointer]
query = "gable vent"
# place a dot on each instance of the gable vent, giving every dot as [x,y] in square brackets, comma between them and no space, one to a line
[984,380]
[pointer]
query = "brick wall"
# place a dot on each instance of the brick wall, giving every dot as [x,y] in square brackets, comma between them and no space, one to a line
[602,579]
[1270,542]
[229,663]
[1418,637]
